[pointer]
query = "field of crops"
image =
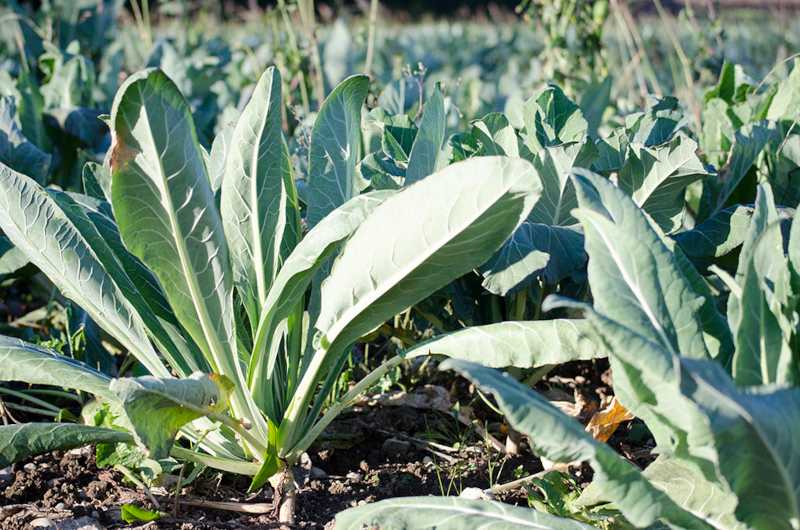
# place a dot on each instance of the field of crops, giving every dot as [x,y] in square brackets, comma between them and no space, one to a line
[314,267]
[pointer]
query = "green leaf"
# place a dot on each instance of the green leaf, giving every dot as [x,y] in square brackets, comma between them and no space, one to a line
[763,331]
[259,203]
[496,135]
[16,151]
[11,258]
[562,439]
[218,158]
[157,407]
[425,156]
[28,439]
[749,141]
[45,233]
[290,286]
[756,434]
[550,119]
[449,513]
[693,493]
[534,251]
[521,344]
[101,234]
[132,514]
[787,99]
[630,268]
[160,181]
[657,177]
[594,102]
[334,150]
[96,181]
[717,235]
[29,363]
[612,152]
[422,238]
[558,197]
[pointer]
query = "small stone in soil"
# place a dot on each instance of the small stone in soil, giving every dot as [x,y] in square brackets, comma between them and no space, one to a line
[355,477]
[29,467]
[317,473]
[43,522]
[95,514]
[60,506]
[396,448]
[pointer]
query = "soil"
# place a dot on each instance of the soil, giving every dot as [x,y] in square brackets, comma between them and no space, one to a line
[369,454]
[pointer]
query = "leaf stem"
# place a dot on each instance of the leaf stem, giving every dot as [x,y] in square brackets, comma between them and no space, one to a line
[342,404]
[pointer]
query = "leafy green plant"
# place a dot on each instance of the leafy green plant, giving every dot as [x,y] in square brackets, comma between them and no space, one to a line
[213,302]
[721,446]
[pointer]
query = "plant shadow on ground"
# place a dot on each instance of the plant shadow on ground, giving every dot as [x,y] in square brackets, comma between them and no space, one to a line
[357,468]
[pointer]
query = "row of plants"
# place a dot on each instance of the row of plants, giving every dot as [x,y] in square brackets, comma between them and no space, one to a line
[241,291]
[237,265]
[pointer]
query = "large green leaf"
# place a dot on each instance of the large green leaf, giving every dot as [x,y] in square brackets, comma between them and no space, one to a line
[157,408]
[533,251]
[11,258]
[449,513]
[96,181]
[749,142]
[757,435]
[334,149]
[422,238]
[44,232]
[526,344]
[657,177]
[763,330]
[634,276]
[100,232]
[558,197]
[160,182]
[29,363]
[28,439]
[562,439]
[18,152]
[290,286]
[550,118]
[425,154]
[218,157]
[496,135]
[259,203]
[717,235]
[693,493]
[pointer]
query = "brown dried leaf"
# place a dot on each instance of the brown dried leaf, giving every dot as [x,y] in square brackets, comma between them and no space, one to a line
[604,423]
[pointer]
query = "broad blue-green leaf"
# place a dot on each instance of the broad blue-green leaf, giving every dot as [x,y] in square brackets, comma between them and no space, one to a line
[50,240]
[522,344]
[11,258]
[749,141]
[29,363]
[656,127]
[763,330]
[786,100]
[534,251]
[157,407]
[334,150]
[757,434]
[218,157]
[422,238]
[159,181]
[258,203]
[657,177]
[717,235]
[558,196]
[550,118]
[290,286]
[562,439]
[450,513]
[612,152]
[139,286]
[96,181]
[693,493]
[594,102]
[496,135]
[425,155]
[28,439]
[718,132]
[16,151]
[634,276]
